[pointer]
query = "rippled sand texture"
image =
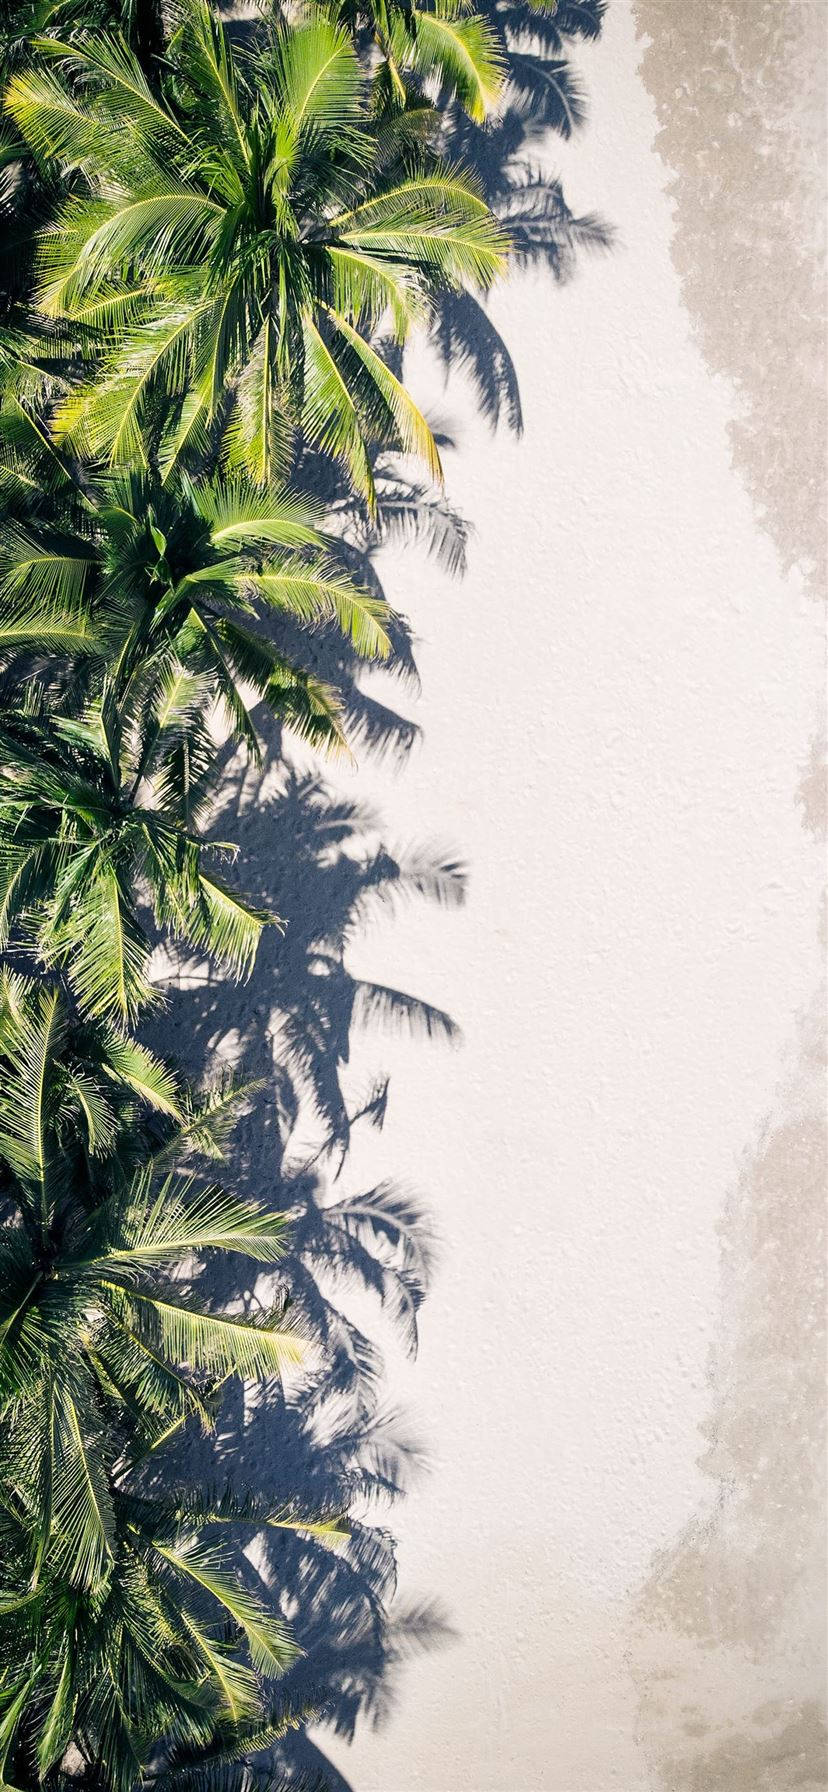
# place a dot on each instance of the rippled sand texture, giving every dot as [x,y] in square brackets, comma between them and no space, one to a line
[730,1639]
[739,88]
[731,1653]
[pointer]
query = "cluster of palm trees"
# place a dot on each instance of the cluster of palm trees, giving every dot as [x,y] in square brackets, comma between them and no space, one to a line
[218,230]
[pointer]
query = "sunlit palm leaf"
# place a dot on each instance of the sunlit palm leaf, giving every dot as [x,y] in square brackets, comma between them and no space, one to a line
[184,1218]
[215,1342]
[269,1640]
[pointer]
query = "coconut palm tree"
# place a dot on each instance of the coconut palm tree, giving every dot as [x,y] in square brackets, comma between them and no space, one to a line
[241,241]
[129,572]
[97,811]
[442,43]
[88,1308]
[172,1650]
[122,1617]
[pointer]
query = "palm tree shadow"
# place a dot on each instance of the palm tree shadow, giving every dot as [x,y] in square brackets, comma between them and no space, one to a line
[325,1445]
[410,512]
[542,94]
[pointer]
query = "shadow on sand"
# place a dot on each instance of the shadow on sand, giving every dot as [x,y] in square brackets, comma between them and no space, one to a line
[327,1444]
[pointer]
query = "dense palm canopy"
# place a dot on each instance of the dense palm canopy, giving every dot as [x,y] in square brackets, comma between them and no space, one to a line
[216,236]
[240,241]
[96,820]
[149,580]
[119,1605]
[144,603]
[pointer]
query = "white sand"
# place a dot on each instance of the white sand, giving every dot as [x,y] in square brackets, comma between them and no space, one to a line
[617,705]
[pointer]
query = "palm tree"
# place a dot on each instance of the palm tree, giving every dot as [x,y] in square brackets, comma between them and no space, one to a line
[99,1219]
[241,242]
[116,1602]
[441,42]
[98,810]
[171,1651]
[129,572]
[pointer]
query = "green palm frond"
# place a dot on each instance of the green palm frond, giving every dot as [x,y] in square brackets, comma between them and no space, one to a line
[209,1119]
[271,1646]
[330,416]
[82,1500]
[319,81]
[57,1727]
[461,48]
[227,926]
[134,1066]
[240,515]
[103,949]
[239,1686]
[163,353]
[30,1034]
[217,1343]
[409,424]
[202,1511]
[184,1217]
[122,88]
[437,221]
[318,593]
[149,1386]
[51,122]
[96,1110]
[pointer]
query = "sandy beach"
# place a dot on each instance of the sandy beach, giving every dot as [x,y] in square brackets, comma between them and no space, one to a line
[614,1517]
[617,709]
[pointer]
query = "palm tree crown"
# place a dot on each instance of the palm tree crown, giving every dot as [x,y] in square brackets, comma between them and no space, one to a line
[117,1605]
[136,575]
[243,241]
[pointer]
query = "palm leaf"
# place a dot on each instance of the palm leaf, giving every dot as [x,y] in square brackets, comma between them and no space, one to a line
[123,91]
[220,1344]
[30,1035]
[82,1501]
[49,628]
[434,219]
[269,1640]
[465,51]
[50,120]
[229,927]
[135,1067]
[330,416]
[239,1688]
[240,516]
[413,431]
[319,79]
[104,951]
[110,416]
[317,592]
[185,1218]
[56,1730]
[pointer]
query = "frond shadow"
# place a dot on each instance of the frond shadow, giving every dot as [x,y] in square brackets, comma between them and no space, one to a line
[409,512]
[542,94]
[324,1445]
